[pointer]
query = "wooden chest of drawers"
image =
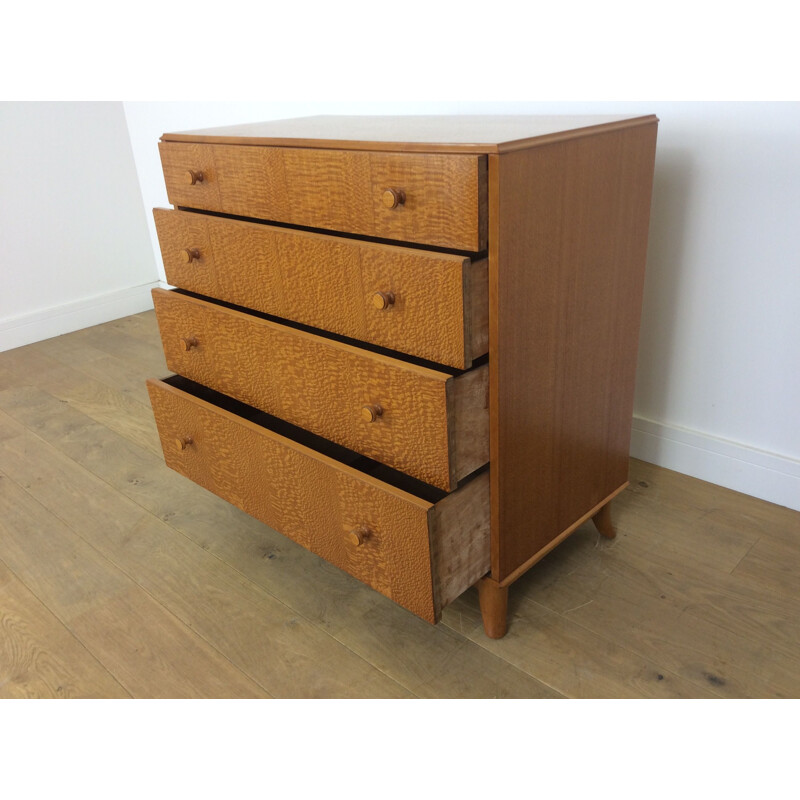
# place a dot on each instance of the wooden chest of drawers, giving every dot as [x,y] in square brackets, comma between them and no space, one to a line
[408,344]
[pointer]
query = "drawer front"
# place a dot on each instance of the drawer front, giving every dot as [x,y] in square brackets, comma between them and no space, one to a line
[369,529]
[430,305]
[430,199]
[389,410]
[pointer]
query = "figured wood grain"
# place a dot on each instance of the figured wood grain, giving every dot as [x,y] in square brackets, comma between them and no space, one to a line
[322,386]
[566,267]
[337,190]
[328,282]
[304,495]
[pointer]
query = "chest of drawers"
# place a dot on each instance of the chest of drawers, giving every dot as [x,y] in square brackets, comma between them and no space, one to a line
[408,344]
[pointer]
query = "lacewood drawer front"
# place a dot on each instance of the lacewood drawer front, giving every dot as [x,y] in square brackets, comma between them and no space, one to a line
[435,199]
[420,553]
[427,304]
[427,423]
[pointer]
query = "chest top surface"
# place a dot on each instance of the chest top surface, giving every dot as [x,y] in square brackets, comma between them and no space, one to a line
[454,134]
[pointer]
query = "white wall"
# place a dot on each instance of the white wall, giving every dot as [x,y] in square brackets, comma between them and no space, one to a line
[74,245]
[718,388]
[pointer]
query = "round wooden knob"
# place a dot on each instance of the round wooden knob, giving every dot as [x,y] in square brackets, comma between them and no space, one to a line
[391,198]
[382,300]
[370,413]
[358,536]
[182,442]
[193,176]
[188,342]
[190,254]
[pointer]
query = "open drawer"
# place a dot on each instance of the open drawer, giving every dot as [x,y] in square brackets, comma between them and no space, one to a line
[413,543]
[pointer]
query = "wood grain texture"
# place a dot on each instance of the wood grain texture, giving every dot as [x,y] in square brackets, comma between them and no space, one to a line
[493,600]
[310,498]
[461,133]
[318,503]
[477,295]
[460,539]
[154,655]
[336,190]
[566,265]
[39,657]
[322,385]
[328,282]
[468,416]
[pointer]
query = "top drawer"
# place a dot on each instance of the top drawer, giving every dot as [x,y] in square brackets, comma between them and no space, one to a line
[434,199]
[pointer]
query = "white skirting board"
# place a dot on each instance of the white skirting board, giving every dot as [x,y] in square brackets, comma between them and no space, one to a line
[49,322]
[769,476]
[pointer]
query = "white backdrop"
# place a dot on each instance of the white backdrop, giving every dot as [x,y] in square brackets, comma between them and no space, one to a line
[74,248]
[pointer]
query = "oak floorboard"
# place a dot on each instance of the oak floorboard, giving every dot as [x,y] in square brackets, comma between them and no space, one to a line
[26,366]
[433,661]
[572,659]
[121,370]
[687,527]
[39,657]
[152,654]
[143,326]
[663,629]
[101,400]
[586,565]
[115,341]
[126,375]
[772,569]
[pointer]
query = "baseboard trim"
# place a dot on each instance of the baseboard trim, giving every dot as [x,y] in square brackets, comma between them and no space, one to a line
[745,469]
[46,323]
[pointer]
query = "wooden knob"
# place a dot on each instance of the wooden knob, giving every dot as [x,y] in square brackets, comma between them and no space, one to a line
[182,442]
[358,536]
[382,300]
[190,254]
[391,198]
[188,342]
[193,176]
[370,413]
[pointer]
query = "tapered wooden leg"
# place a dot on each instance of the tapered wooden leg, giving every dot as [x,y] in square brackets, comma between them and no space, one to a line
[602,521]
[493,599]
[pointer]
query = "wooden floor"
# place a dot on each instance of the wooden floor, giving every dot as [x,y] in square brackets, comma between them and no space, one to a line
[120,578]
